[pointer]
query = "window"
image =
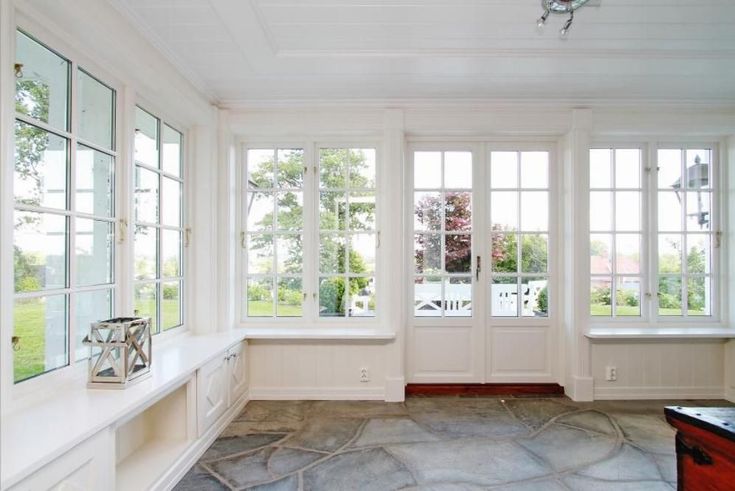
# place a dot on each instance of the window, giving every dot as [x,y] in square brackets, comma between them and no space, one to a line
[291,272]
[159,225]
[442,233]
[616,232]
[63,240]
[519,233]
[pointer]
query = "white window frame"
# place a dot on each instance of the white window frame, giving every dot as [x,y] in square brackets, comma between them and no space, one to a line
[310,314]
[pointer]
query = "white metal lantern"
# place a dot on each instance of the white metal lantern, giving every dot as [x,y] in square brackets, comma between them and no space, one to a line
[119,352]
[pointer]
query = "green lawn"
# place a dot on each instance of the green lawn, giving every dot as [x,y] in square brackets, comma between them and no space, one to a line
[625,310]
[260,308]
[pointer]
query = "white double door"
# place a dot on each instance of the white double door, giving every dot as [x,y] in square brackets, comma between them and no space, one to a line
[482,227]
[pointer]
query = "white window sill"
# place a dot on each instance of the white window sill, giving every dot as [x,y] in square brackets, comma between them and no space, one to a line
[319,333]
[661,333]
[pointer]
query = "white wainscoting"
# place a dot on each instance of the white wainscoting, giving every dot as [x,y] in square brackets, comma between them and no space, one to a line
[655,370]
[520,354]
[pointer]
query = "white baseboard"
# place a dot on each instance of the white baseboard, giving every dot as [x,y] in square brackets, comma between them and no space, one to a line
[616,393]
[395,389]
[580,389]
[317,393]
[199,446]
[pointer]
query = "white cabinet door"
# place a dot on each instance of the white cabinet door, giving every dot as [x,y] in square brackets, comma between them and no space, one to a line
[212,391]
[238,371]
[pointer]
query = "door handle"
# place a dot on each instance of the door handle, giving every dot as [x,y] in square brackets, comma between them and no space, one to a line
[478,268]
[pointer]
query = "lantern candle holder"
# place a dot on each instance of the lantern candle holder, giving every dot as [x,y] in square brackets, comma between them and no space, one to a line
[119,352]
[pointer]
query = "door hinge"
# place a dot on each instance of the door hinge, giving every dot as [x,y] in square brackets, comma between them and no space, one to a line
[187,236]
[718,239]
[122,225]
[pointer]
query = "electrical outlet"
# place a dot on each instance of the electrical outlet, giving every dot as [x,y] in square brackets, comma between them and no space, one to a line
[364,375]
[611,374]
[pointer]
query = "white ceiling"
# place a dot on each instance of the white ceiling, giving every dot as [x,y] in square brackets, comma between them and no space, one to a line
[261,51]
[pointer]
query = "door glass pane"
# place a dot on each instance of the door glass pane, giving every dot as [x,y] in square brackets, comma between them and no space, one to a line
[458,297]
[362,168]
[534,211]
[290,168]
[427,211]
[427,253]
[600,254]
[427,170]
[259,210]
[146,195]
[146,295]
[698,211]
[669,169]
[93,241]
[261,168]
[600,299]
[601,211]
[260,297]
[535,170]
[332,211]
[362,297]
[362,211]
[427,292]
[171,304]
[146,138]
[458,170]
[601,168]
[698,169]
[290,211]
[458,212]
[90,307]
[362,254]
[170,253]
[39,252]
[333,164]
[504,296]
[504,253]
[42,89]
[669,295]
[40,167]
[40,326]
[290,298]
[146,255]
[535,294]
[94,182]
[627,168]
[534,253]
[628,211]
[458,253]
[171,202]
[96,110]
[504,210]
[628,296]
[171,159]
[503,170]
[669,212]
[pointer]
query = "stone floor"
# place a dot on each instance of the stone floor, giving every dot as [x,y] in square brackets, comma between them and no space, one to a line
[447,443]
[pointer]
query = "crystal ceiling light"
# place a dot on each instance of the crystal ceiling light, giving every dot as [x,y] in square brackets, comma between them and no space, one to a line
[560,7]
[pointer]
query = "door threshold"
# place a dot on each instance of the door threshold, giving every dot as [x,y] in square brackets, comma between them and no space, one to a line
[470,390]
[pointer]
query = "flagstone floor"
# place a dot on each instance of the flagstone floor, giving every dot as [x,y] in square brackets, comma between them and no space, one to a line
[447,443]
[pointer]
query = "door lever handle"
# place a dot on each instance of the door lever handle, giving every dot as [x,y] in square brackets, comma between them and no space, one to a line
[478,268]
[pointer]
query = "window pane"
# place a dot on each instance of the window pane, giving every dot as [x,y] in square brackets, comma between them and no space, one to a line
[627,168]
[427,212]
[362,211]
[503,170]
[96,110]
[290,298]
[698,169]
[171,305]
[332,211]
[627,254]
[534,169]
[93,241]
[427,170]
[534,211]
[172,145]
[628,211]
[362,254]
[259,209]
[534,253]
[669,212]
[504,293]
[458,297]
[601,168]
[42,90]
[171,202]
[698,254]
[39,252]
[458,212]
[669,169]
[94,182]
[427,297]
[331,253]
[601,211]
[669,295]
[504,210]
[146,256]
[260,254]
[290,211]
[146,138]
[698,296]
[362,297]
[90,307]
[458,170]
[535,297]
[40,167]
[170,253]
[146,295]
[333,163]
[362,168]
[600,254]
[261,168]
[628,297]
[260,297]
[600,299]
[146,195]
[290,254]
[427,253]
[332,296]
[504,253]
[290,168]
[458,253]
[669,253]
[40,325]
[698,211]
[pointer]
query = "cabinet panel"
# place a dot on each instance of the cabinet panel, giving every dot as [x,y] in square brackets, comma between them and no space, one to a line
[238,371]
[212,392]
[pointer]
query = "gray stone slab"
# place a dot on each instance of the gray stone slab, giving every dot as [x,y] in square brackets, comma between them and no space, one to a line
[224,447]
[537,412]
[286,460]
[382,431]
[366,470]
[629,464]
[445,486]
[290,483]
[480,462]
[569,448]
[198,479]
[576,483]
[245,470]
[459,418]
[325,434]
[357,409]
[590,420]
[272,416]
[649,432]
[543,485]
[666,466]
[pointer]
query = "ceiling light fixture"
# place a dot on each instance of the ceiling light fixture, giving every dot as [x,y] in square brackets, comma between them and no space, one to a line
[560,7]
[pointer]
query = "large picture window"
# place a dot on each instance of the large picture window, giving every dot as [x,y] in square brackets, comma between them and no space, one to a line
[63,240]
